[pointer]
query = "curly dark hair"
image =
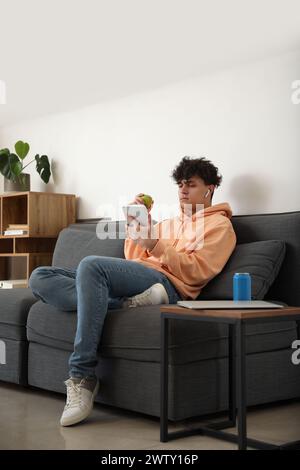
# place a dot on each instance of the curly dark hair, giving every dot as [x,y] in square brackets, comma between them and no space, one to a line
[200,167]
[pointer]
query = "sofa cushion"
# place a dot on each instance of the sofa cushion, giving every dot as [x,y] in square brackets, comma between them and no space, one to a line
[74,244]
[262,260]
[133,334]
[14,308]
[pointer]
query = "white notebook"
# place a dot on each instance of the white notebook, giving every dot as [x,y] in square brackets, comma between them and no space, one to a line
[231,304]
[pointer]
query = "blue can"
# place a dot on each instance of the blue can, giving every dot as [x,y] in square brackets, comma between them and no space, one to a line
[241,286]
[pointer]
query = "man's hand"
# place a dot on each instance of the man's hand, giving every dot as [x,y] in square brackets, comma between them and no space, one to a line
[141,235]
[147,244]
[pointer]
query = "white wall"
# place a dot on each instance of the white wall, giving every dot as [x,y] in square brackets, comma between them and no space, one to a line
[242,119]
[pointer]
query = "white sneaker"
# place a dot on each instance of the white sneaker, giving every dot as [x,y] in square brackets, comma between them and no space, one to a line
[155,295]
[80,399]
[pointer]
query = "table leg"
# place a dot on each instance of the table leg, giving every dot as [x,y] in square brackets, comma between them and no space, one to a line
[232,374]
[298,329]
[241,386]
[164,380]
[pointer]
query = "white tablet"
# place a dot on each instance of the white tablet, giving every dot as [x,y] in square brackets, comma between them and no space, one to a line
[136,212]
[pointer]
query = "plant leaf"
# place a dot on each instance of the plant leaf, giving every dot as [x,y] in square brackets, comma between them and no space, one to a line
[10,166]
[15,165]
[43,167]
[22,149]
[4,162]
[4,152]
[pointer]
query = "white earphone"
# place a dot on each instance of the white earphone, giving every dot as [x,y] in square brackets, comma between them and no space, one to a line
[207,192]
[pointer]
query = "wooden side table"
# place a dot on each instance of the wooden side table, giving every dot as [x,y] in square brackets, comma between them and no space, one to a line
[237,320]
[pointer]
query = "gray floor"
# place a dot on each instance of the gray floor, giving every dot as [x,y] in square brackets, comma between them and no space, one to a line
[30,420]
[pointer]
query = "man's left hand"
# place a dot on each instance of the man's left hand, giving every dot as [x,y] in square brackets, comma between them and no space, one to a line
[146,243]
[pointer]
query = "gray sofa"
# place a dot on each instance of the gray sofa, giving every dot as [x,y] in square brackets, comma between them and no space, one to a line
[39,338]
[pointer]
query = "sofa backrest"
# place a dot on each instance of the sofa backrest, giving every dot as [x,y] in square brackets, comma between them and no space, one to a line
[80,240]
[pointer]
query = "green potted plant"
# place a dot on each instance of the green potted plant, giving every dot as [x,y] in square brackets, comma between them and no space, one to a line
[12,167]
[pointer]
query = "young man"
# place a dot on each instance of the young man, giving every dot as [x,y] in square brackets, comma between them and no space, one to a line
[182,255]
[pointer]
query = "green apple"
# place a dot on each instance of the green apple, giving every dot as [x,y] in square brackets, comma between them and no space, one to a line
[148,201]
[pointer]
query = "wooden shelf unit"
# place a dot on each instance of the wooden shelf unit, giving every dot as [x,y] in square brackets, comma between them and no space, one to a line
[45,215]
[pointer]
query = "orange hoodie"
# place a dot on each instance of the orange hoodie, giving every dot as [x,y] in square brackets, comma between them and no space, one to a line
[195,249]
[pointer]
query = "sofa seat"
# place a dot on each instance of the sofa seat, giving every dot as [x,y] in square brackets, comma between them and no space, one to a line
[15,305]
[134,334]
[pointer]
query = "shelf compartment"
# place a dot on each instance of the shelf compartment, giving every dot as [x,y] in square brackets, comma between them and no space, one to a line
[13,267]
[6,245]
[14,210]
[38,259]
[33,245]
[20,266]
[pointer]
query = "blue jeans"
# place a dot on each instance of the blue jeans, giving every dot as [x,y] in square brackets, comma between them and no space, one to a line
[99,283]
